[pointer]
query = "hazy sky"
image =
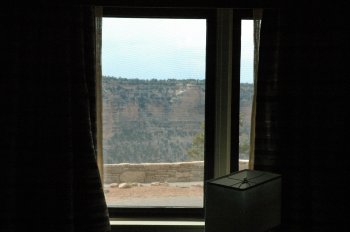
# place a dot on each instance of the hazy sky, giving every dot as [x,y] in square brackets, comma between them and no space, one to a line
[160,48]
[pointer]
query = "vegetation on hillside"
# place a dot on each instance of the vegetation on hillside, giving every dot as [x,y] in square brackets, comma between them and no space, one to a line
[159,120]
[196,151]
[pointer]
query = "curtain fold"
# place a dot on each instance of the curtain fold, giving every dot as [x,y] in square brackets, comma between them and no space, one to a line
[53,179]
[280,135]
[98,53]
[257,16]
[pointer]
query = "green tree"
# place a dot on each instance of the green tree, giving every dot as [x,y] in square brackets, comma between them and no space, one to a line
[196,152]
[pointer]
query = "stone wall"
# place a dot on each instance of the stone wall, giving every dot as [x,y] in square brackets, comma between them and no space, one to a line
[156,172]
[153,172]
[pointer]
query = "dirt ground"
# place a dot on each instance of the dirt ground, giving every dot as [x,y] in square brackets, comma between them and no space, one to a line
[161,191]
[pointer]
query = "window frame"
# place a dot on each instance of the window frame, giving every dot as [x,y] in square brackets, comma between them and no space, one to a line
[213,126]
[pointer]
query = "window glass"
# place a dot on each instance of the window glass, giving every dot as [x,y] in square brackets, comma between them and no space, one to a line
[153,90]
[246,91]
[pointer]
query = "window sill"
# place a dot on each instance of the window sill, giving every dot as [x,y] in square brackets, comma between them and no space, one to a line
[117,222]
[130,225]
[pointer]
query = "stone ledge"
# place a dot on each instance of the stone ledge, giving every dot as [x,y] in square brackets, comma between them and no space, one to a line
[157,172]
[154,172]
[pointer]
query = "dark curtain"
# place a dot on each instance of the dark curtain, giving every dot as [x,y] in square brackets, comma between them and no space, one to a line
[302,93]
[48,121]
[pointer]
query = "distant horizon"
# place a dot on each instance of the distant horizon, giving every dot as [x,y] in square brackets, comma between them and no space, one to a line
[147,79]
[143,79]
[161,49]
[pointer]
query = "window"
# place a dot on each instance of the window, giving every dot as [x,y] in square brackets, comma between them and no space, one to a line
[169,131]
[153,85]
[156,116]
[246,91]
